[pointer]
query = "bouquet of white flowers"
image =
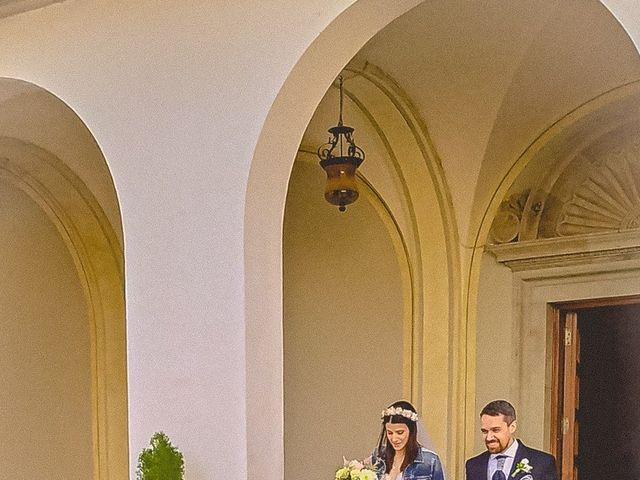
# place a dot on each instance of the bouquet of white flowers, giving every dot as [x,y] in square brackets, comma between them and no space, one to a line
[355,470]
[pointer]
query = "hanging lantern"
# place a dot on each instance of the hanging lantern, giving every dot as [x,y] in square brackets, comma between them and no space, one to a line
[340,157]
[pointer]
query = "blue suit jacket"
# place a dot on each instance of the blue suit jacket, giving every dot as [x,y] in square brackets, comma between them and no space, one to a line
[544,465]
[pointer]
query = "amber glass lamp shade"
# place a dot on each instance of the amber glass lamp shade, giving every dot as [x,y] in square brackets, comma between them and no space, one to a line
[340,158]
[341,188]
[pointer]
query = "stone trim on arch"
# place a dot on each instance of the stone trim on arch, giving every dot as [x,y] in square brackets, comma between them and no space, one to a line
[265,201]
[434,253]
[264,209]
[98,258]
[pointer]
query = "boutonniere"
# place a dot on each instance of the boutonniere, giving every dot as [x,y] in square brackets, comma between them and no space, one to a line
[522,466]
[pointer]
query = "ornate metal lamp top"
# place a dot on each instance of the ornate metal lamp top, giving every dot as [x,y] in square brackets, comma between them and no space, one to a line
[341,148]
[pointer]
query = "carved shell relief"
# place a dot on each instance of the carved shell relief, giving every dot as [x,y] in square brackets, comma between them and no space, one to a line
[608,201]
[590,195]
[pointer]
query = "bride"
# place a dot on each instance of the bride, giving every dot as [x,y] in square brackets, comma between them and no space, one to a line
[400,455]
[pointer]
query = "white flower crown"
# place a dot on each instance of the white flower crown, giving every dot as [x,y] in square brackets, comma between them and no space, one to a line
[391,411]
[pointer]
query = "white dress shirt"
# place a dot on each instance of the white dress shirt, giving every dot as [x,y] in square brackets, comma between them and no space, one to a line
[510,453]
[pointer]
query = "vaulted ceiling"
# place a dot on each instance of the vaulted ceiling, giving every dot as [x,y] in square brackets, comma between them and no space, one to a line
[488,78]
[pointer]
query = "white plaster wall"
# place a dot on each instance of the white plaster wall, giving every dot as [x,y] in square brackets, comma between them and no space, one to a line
[45,370]
[176,94]
[496,359]
[343,326]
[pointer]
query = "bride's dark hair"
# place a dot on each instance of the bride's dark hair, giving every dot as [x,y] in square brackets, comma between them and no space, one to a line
[385,449]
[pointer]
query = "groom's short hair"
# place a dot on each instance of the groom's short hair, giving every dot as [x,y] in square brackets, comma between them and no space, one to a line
[500,407]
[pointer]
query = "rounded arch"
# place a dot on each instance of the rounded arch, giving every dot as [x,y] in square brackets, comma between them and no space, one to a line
[546,157]
[265,202]
[84,220]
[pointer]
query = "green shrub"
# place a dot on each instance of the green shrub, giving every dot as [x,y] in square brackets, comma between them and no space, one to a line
[162,461]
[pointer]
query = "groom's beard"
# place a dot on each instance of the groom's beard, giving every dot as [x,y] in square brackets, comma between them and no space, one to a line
[495,446]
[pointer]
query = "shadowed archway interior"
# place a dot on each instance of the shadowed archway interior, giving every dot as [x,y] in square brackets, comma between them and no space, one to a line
[63,291]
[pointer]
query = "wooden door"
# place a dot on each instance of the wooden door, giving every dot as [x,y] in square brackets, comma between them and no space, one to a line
[565,408]
[571,397]
[565,392]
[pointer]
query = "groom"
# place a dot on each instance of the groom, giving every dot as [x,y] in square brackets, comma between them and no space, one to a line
[507,458]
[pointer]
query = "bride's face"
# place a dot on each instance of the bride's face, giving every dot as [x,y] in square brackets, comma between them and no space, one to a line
[397,435]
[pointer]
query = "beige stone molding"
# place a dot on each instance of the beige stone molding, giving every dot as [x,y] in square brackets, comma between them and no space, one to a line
[436,377]
[534,290]
[566,251]
[98,257]
[423,216]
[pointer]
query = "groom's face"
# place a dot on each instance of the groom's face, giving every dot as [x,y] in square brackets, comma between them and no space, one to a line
[497,435]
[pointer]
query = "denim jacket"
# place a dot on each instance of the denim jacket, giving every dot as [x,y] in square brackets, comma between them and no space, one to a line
[426,466]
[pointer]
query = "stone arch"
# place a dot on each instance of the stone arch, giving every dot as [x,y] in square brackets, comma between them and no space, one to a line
[489,208]
[265,200]
[95,247]
[424,214]
[525,228]
[405,173]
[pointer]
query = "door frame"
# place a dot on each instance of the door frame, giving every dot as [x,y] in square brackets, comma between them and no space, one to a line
[556,314]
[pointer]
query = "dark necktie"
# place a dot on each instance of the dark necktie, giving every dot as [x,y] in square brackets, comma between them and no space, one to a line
[499,474]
